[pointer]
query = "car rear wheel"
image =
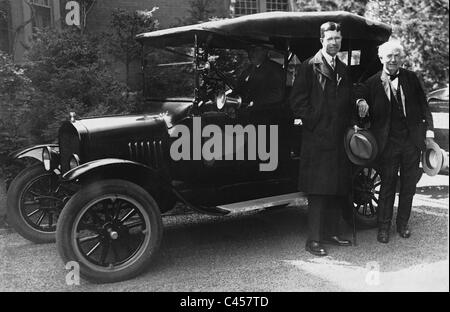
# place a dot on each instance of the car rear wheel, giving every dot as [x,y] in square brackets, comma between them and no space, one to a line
[112,229]
[366,192]
[35,199]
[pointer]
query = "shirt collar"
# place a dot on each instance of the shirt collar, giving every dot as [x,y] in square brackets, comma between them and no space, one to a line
[328,57]
[388,74]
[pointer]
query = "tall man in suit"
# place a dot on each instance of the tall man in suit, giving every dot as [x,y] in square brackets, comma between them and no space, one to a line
[401,122]
[262,83]
[321,99]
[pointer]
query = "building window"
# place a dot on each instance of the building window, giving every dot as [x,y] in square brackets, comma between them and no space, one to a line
[277,5]
[244,7]
[41,3]
[42,13]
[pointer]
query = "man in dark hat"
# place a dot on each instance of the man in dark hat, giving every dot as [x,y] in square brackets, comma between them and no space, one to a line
[321,99]
[261,84]
[401,122]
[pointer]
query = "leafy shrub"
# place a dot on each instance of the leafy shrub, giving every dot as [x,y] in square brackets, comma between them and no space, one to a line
[65,71]
[15,93]
[70,73]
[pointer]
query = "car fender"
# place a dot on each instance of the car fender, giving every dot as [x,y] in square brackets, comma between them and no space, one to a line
[127,170]
[34,151]
[117,168]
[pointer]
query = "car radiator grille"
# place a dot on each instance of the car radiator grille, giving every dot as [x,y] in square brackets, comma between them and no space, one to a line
[147,152]
[68,145]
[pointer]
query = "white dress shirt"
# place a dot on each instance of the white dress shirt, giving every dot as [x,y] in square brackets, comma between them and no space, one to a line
[329,58]
[394,86]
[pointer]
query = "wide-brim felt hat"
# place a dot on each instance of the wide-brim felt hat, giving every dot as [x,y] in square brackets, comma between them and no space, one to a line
[444,159]
[360,146]
[433,159]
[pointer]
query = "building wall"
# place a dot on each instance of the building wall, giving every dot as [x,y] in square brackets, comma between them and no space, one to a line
[17,31]
[4,26]
[170,12]
[21,30]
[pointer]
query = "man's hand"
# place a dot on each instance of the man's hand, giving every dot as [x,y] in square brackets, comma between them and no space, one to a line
[356,128]
[428,141]
[363,108]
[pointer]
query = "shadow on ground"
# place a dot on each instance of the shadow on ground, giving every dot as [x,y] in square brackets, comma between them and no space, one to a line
[434,191]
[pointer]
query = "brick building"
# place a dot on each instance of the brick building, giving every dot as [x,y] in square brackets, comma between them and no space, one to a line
[26,15]
[169,13]
[173,12]
[21,18]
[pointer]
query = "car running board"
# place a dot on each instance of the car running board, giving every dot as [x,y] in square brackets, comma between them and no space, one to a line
[292,199]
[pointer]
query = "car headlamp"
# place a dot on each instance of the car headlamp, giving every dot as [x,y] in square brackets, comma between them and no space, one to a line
[47,158]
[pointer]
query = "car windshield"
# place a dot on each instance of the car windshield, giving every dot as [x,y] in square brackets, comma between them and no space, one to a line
[169,73]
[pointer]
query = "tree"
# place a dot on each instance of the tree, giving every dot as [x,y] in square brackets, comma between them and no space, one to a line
[125,26]
[3,10]
[422,26]
[80,10]
[15,94]
[15,91]
[85,7]
[69,73]
[357,7]
[199,11]
[64,71]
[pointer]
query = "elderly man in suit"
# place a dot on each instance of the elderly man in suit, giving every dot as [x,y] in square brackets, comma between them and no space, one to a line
[401,122]
[262,83]
[321,99]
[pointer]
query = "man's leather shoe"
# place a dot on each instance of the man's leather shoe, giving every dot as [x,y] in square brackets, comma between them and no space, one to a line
[383,236]
[403,231]
[315,248]
[336,240]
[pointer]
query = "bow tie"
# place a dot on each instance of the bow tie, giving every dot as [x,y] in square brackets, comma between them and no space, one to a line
[393,77]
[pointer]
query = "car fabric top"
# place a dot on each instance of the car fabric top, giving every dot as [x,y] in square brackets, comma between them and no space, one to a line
[268,28]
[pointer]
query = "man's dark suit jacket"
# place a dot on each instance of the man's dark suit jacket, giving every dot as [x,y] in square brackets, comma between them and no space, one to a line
[322,99]
[263,85]
[376,91]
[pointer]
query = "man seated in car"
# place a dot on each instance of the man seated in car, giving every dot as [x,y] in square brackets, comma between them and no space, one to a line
[261,84]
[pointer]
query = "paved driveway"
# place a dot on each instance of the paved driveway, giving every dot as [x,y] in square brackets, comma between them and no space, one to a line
[261,252]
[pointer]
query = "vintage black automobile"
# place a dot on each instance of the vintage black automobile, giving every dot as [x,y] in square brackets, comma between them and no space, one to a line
[109,179]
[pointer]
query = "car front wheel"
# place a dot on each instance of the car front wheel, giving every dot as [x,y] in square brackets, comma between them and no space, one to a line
[111,228]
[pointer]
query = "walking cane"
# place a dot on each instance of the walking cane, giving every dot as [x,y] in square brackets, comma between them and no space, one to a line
[353,208]
[352,172]
[352,198]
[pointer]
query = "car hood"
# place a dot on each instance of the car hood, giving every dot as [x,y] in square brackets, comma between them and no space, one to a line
[439,95]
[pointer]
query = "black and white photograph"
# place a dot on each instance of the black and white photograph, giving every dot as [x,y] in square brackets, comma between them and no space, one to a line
[224,151]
